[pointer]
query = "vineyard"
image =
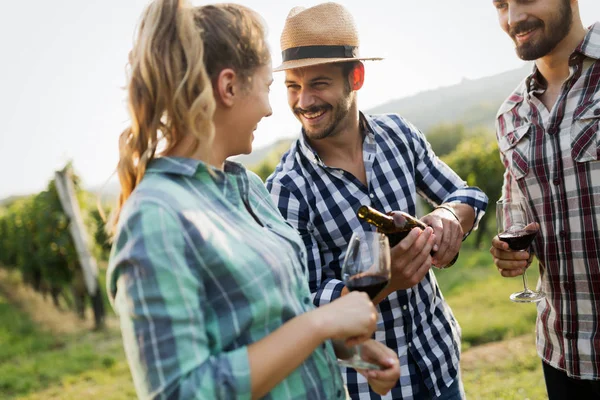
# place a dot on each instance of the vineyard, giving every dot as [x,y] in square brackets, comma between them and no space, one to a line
[49,349]
[37,241]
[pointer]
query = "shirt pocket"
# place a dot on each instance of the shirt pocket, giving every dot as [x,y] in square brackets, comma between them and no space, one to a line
[516,145]
[585,134]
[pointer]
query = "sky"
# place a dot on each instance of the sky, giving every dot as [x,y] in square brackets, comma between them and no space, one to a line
[62,73]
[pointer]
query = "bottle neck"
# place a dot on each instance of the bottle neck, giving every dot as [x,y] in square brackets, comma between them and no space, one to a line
[384,223]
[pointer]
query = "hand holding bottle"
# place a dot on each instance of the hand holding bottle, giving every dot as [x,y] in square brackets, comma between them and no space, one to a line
[414,244]
[449,235]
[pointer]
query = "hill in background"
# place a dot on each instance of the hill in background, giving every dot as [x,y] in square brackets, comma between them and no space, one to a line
[472,103]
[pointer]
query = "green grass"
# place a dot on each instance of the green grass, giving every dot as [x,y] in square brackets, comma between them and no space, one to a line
[32,360]
[517,375]
[36,365]
[19,335]
[478,296]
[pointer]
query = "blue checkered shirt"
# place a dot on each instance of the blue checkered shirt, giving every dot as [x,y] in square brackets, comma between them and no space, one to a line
[321,203]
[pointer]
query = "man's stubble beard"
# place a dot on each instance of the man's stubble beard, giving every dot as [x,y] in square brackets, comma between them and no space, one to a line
[555,30]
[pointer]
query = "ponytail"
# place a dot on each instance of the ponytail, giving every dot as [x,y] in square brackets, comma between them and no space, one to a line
[169,92]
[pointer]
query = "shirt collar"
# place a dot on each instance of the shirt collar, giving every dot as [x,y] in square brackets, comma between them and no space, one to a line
[190,166]
[174,165]
[589,47]
[311,154]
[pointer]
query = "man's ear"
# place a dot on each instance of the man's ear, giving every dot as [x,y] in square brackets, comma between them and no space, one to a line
[357,76]
[226,87]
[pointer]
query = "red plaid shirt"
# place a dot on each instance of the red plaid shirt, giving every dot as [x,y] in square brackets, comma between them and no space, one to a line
[552,158]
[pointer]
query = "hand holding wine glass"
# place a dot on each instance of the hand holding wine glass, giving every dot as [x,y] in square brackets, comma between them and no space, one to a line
[366,268]
[517,228]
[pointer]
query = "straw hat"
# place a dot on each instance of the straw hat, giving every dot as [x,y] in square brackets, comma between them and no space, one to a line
[325,33]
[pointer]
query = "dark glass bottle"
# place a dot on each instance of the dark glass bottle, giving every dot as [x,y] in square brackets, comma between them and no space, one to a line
[385,224]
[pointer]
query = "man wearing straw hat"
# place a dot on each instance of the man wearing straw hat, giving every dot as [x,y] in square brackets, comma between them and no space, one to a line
[344,159]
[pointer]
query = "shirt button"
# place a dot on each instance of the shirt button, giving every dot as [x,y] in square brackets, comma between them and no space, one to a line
[404,307]
[556,181]
[371,195]
[569,335]
[553,130]
[563,234]
[409,344]
[339,393]
[597,111]
[306,300]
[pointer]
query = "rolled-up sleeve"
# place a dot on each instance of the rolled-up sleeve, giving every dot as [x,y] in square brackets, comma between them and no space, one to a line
[160,305]
[438,183]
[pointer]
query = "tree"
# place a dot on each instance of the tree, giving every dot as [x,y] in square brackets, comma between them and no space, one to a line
[477,160]
[445,137]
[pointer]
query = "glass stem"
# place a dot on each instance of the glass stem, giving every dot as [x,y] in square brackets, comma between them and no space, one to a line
[525,280]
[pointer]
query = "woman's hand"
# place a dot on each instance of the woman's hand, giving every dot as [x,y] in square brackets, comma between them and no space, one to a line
[377,353]
[351,317]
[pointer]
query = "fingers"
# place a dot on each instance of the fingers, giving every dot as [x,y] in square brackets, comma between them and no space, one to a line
[350,316]
[384,380]
[381,381]
[509,263]
[511,273]
[507,260]
[390,374]
[450,242]
[411,258]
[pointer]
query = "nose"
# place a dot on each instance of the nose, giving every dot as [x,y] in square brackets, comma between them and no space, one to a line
[305,99]
[515,15]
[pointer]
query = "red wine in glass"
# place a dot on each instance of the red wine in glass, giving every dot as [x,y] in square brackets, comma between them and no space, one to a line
[371,285]
[517,228]
[366,268]
[520,239]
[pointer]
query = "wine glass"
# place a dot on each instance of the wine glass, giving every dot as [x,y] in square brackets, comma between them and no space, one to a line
[366,268]
[517,228]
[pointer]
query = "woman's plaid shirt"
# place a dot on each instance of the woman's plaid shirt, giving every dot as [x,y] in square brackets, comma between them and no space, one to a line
[195,277]
[553,160]
[321,202]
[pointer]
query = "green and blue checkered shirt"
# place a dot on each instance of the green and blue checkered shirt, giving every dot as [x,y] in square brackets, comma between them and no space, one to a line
[202,265]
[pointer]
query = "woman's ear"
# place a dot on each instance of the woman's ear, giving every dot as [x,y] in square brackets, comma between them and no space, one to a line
[226,87]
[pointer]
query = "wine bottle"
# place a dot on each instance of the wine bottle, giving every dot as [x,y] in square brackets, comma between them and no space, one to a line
[385,224]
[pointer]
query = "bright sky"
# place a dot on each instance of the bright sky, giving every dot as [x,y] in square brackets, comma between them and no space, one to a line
[63,72]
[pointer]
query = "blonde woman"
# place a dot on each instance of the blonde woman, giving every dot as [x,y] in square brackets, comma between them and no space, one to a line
[206,277]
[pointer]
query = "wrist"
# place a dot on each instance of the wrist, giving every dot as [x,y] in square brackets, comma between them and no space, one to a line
[318,322]
[449,210]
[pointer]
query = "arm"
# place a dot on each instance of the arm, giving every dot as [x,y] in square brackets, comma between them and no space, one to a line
[273,358]
[462,205]
[161,305]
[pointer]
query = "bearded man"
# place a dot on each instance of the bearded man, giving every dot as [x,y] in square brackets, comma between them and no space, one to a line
[344,159]
[549,139]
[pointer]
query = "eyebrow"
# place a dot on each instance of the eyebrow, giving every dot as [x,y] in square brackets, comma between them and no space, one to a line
[316,78]
[321,78]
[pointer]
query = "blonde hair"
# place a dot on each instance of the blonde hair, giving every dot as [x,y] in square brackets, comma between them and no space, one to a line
[178,54]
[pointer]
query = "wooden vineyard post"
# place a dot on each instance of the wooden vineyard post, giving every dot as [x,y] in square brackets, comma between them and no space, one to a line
[89,267]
